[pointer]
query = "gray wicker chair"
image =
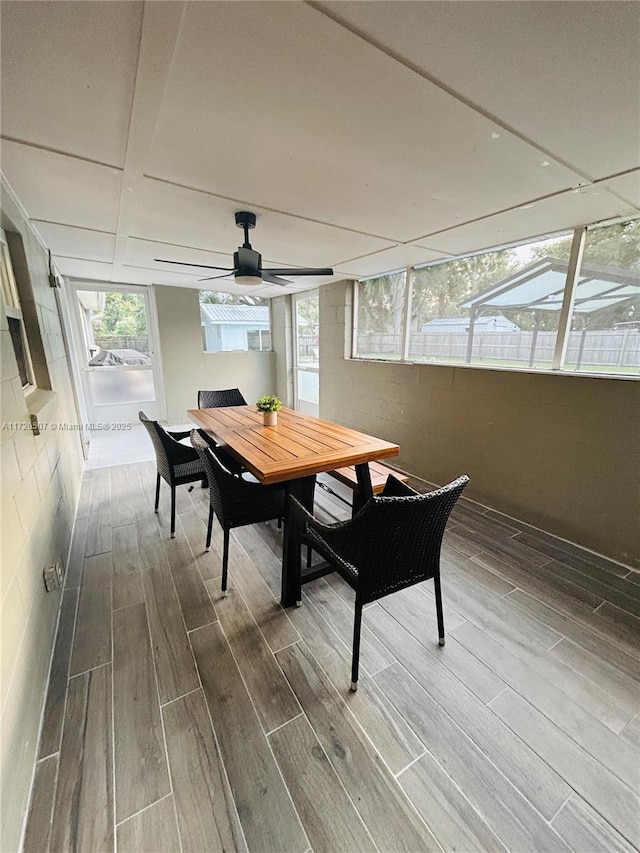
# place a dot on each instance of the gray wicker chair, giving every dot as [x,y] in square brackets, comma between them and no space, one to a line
[220,399]
[235,501]
[176,463]
[392,543]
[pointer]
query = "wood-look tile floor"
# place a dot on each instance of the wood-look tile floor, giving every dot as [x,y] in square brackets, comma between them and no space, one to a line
[180,721]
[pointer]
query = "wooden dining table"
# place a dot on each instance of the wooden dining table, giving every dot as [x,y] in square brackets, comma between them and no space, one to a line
[292,452]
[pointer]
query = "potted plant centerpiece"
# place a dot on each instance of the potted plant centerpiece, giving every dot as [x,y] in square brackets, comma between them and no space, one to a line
[269,405]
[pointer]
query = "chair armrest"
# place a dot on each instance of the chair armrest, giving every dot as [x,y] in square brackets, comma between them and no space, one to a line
[345,539]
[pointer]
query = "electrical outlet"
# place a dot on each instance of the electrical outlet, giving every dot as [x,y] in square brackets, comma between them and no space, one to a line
[51,581]
[60,574]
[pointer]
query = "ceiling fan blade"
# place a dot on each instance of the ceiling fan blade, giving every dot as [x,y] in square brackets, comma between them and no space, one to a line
[294,271]
[214,277]
[187,264]
[273,279]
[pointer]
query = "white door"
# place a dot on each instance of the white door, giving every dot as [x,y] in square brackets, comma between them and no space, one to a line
[306,325]
[116,352]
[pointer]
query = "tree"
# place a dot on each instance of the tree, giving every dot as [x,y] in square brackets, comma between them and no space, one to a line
[123,316]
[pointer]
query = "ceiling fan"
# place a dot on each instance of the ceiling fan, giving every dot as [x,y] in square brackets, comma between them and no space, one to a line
[247,263]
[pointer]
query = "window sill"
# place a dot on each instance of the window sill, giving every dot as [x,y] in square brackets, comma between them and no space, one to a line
[42,404]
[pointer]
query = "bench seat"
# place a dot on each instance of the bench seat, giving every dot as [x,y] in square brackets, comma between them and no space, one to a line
[378,472]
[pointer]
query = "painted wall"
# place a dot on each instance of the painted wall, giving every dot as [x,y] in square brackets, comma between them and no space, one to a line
[40,485]
[557,451]
[187,369]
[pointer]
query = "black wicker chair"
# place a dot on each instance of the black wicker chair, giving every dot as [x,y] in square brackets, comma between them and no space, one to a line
[392,543]
[235,501]
[220,399]
[176,463]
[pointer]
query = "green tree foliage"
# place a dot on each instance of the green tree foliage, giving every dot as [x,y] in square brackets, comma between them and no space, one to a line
[216,298]
[123,316]
[381,304]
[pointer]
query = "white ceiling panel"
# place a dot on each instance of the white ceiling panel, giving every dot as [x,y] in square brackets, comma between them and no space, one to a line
[626,186]
[389,259]
[169,214]
[331,128]
[54,188]
[91,270]
[569,210]
[68,73]
[64,240]
[563,74]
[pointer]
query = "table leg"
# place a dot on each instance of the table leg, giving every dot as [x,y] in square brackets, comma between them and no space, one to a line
[303,490]
[365,490]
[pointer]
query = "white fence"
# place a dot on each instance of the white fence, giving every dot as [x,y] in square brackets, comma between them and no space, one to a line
[615,348]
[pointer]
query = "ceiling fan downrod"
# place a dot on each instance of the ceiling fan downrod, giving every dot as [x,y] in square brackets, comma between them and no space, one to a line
[246,220]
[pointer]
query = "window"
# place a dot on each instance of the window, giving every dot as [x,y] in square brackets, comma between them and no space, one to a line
[380,308]
[604,333]
[14,317]
[231,322]
[504,308]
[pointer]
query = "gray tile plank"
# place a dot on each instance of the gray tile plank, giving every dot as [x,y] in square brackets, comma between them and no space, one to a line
[150,544]
[127,581]
[493,613]
[545,583]
[388,731]
[272,697]
[579,558]
[610,797]
[99,526]
[83,810]
[51,731]
[175,668]
[92,641]
[209,563]
[141,774]
[618,591]
[568,716]
[415,614]
[454,540]
[576,631]
[84,499]
[192,594]
[599,677]
[273,621]
[328,815]
[263,543]
[584,829]
[268,818]
[443,806]
[631,732]
[155,830]
[520,765]
[373,655]
[207,816]
[621,626]
[508,812]
[125,494]
[376,795]
[38,828]
[76,554]
[509,550]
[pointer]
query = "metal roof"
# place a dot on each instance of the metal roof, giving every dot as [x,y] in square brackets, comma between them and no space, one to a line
[223,313]
[540,287]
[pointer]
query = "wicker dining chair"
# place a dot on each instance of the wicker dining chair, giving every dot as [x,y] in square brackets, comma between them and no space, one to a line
[236,502]
[176,463]
[220,399]
[392,543]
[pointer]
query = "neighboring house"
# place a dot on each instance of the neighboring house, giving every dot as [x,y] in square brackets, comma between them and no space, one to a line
[235,327]
[460,325]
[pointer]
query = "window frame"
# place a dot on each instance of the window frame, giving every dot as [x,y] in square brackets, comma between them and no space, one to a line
[579,236]
[13,310]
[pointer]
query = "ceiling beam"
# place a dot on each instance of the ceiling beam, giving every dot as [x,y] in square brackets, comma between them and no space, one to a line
[161,24]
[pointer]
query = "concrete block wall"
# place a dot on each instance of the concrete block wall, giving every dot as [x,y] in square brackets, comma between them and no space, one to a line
[40,485]
[558,451]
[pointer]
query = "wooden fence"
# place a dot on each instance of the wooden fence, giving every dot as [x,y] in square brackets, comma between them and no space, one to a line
[615,348]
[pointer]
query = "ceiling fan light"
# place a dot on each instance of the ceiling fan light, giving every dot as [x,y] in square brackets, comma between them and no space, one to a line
[248,279]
